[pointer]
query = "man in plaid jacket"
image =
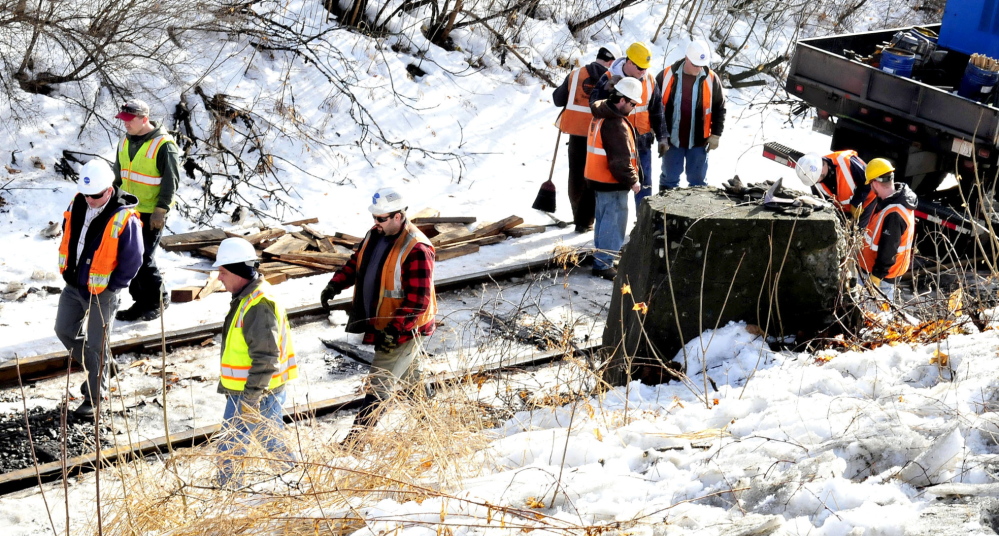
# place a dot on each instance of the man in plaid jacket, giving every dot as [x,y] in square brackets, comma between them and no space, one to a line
[394,303]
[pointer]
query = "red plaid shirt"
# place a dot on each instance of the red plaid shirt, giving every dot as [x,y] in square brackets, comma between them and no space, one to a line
[417,276]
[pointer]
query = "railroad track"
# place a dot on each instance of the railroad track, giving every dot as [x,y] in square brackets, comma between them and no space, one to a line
[36,475]
[55,364]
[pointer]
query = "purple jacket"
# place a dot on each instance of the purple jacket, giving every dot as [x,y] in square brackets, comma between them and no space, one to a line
[130,247]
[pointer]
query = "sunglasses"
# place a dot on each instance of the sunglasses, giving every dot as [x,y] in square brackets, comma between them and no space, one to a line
[95,197]
[383,219]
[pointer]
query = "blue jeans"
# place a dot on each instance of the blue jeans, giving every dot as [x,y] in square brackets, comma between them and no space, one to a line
[696,159]
[645,162]
[608,230]
[236,434]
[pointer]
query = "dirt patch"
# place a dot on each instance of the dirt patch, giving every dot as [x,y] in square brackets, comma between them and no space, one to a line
[49,435]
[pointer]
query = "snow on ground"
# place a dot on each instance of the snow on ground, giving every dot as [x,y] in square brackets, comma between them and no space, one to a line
[786,443]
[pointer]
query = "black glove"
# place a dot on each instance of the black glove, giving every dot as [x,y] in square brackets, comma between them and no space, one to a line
[328,294]
[387,340]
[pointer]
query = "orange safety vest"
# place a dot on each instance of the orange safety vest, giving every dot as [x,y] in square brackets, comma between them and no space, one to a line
[872,237]
[575,118]
[106,256]
[845,183]
[639,117]
[707,94]
[392,290]
[597,168]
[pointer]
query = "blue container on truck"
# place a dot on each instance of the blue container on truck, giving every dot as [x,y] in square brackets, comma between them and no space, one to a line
[971,27]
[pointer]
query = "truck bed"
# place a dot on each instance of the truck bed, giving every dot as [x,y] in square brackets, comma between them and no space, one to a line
[821,75]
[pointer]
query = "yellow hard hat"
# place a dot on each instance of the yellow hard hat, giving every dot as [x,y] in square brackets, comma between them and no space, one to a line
[640,55]
[877,169]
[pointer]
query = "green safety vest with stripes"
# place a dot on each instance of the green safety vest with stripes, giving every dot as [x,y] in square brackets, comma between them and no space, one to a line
[140,176]
[236,360]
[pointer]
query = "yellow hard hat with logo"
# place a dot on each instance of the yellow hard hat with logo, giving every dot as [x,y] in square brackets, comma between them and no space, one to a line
[880,170]
[640,55]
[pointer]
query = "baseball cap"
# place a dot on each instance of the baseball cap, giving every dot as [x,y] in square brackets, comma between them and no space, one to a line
[132,109]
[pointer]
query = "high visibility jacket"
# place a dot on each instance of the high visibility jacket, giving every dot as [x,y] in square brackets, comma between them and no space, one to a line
[705,103]
[106,256]
[236,361]
[872,239]
[392,290]
[597,167]
[846,183]
[140,177]
[575,119]
[639,117]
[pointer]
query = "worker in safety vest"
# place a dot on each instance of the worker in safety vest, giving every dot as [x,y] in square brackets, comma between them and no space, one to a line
[100,253]
[147,167]
[839,176]
[612,168]
[889,226]
[574,97]
[647,116]
[258,360]
[693,117]
[394,304]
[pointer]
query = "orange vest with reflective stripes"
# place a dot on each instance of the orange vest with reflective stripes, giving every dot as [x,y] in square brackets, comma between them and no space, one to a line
[707,94]
[393,292]
[236,360]
[872,238]
[846,183]
[575,118]
[106,256]
[639,117]
[597,168]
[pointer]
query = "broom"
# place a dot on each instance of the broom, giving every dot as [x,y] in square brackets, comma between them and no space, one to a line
[545,201]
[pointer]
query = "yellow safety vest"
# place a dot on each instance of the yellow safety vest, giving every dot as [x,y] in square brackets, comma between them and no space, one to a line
[140,177]
[236,360]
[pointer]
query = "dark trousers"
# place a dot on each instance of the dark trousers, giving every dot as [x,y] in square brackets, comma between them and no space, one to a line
[147,285]
[581,197]
[87,344]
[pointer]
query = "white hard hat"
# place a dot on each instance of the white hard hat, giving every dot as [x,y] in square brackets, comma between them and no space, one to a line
[809,168]
[95,177]
[698,53]
[629,87]
[233,250]
[386,200]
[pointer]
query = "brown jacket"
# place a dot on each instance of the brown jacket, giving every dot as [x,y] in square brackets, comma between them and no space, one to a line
[615,132]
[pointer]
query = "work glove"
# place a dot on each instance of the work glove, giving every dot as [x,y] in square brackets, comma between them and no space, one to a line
[713,142]
[612,81]
[876,281]
[328,294]
[158,218]
[387,340]
[249,410]
[663,147]
[855,212]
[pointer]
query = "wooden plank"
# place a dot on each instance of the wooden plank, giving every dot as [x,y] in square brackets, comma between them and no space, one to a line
[452,237]
[426,213]
[524,230]
[208,252]
[308,239]
[486,240]
[184,294]
[213,285]
[417,220]
[498,227]
[301,222]
[265,236]
[331,259]
[312,232]
[449,227]
[286,244]
[349,238]
[193,241]
[326,245]
[444,254]
[274,279]
[316,265]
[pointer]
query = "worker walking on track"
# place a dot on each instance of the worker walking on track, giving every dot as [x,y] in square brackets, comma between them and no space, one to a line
[693,102]
[394,303]
[100,253]
[258,360]
[839,176]
[148,166]
[574,97]
[647,115]
[889,227]
[612,168]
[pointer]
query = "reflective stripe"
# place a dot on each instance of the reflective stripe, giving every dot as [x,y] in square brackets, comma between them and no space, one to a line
[843,164]
[573,84]
[135,176]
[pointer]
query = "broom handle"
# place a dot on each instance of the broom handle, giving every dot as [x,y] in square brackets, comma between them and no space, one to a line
[558,140]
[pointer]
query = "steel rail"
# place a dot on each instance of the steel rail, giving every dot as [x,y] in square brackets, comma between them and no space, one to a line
[57,363]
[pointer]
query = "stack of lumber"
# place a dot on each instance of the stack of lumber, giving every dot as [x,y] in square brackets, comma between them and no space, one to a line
[307,251]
